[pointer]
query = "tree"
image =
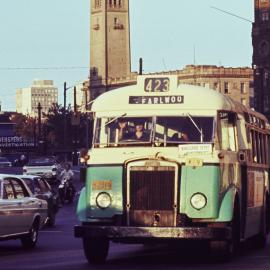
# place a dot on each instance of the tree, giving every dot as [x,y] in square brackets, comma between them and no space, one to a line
[53,129]
[25,126]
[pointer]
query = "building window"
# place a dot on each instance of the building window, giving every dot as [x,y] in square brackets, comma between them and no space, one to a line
[226,87]
[97,3]
[120,3]
[266,103]
[265,16]
[244,101]
[114,3]
[242,88]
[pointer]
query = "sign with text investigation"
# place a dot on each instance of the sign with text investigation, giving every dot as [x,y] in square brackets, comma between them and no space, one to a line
[16,142]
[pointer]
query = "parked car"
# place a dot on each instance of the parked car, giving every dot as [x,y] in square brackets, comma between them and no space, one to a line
[4,162]
[13,158]
[46,167]
[21,214]
[41,189]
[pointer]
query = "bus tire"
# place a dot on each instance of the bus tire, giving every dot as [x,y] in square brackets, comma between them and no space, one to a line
[225,250]
[259,241]
[96,249]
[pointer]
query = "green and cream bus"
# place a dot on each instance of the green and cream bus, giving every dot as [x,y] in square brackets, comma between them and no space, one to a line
[171,162]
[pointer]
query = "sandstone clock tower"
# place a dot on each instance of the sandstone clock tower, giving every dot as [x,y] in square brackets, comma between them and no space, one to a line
[109,43]
[261,56]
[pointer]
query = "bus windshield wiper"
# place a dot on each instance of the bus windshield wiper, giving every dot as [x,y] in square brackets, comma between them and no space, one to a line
[115,118]
[196,126]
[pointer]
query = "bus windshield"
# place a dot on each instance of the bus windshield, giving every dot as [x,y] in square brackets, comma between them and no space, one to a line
[156,131]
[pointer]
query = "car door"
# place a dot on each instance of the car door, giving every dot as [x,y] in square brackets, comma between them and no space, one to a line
[10,210]
[28,204]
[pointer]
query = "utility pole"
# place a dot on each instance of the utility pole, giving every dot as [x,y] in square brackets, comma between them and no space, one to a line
[140,66]
[75,101]
[65,119]
[39,120]
[39,126]
[75,158]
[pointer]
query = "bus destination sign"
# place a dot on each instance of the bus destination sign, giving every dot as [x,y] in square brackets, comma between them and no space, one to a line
[149,100]
[157,85]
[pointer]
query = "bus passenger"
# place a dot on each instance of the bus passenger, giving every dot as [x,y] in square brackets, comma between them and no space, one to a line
[122,130]
[139,133]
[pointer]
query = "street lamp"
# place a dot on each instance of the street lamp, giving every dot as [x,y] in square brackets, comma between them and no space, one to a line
[65,114]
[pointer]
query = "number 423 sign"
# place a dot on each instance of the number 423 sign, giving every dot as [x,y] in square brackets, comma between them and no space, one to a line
[157,85]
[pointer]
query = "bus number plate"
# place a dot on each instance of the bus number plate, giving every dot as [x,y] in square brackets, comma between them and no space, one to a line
[157,85]
[102,185]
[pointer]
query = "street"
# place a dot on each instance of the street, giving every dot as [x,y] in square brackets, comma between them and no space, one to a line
[58,249]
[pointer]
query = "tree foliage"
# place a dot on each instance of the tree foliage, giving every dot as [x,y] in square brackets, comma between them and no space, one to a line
[25,126]
[75,134]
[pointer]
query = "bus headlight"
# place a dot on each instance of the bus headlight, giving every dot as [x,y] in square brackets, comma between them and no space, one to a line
[103,200]
[198,201]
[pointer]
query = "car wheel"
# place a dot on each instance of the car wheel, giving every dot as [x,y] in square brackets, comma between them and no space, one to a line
[30,240]
[96,249]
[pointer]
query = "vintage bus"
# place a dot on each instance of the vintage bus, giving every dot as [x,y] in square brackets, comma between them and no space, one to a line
[171,162]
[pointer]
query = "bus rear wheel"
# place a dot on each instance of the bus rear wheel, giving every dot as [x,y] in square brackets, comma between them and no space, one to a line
[96,249]
[260,240]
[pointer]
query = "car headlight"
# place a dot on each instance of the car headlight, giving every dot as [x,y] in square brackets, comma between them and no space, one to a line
[198,201]
[103,200]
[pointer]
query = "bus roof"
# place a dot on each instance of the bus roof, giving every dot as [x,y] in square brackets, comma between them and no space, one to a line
[179,97]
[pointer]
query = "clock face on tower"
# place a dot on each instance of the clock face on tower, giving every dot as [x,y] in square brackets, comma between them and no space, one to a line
[264,48]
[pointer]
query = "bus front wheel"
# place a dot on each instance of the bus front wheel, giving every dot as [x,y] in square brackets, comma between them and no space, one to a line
[225,250]
[96,249]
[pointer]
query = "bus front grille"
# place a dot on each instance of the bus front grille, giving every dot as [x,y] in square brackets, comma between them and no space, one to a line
[152,197]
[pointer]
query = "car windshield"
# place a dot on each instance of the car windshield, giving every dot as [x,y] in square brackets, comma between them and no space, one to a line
[3,159]
[156,131]
[41,162]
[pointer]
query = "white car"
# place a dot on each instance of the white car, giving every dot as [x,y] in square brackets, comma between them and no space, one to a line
[4,162]
[21,215]
[46,167]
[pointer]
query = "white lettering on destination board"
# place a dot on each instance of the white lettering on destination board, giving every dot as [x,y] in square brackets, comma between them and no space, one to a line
[149,100]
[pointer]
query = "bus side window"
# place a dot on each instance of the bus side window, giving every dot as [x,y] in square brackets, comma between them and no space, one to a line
[254,146]
[227,131]
[242,135]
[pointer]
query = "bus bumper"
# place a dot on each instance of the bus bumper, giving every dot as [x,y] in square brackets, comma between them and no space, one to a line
[118,232]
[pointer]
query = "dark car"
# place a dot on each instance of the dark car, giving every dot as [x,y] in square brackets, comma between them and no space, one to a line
[42,190]
[4,162]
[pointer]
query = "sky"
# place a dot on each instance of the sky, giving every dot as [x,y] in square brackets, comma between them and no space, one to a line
[55,34]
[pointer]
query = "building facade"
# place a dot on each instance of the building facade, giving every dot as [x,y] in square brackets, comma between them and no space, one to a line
[110,43]
[261,56]
[42,91]
[110,59]
[234,82]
